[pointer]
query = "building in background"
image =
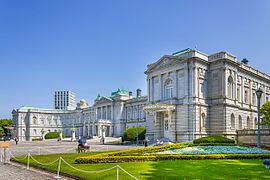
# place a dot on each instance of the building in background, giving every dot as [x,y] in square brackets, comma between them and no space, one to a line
[64,100]
[107,117]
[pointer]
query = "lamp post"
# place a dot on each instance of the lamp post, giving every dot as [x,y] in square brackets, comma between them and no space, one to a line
[259,94]
[137,138]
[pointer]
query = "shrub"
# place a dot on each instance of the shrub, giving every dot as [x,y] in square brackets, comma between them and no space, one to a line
[130,133]
[37,139]
[213,140]
[53,135]
[114,159]
[117,159]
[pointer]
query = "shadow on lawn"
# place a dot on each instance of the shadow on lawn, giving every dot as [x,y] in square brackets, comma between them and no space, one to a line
[208,169]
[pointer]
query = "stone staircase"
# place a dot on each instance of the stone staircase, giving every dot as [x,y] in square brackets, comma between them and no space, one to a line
[97,140]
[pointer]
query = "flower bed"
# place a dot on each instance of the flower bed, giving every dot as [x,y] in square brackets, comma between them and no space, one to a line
[216,150]
[160,157]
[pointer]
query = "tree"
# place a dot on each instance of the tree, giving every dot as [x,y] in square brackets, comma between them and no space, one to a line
[5,123]
[130,133]
[265,112]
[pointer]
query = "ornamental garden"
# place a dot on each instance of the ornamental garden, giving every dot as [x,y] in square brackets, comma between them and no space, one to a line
[212,157]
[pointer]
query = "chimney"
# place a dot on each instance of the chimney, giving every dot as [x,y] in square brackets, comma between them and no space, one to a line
[139,93]
[130,93]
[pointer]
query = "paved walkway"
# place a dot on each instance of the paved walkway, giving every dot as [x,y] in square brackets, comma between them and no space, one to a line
[18,172]
[53,147]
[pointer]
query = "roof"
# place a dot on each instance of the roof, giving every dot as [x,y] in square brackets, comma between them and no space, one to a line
[182,52]
[120,91]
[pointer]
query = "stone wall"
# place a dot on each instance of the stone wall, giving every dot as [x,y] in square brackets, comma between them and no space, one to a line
[250,136]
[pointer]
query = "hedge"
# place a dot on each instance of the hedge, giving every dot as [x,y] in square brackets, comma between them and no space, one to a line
[53,135]
[117,159]
[213,139]
[131,134]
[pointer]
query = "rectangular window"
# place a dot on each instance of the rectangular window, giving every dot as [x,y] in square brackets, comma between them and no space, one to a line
[134,114]
[238,93]
[246,96]
[166,125]
[253,98]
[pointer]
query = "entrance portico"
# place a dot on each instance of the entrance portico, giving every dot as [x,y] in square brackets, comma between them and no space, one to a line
[103,128]
[162,114]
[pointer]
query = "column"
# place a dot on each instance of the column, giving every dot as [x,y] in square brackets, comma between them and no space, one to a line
[148,90]
[242,91]
[161,87]
[101,112]
[100,130]
[176,84]
[235,86]
[225,82]
[152,89]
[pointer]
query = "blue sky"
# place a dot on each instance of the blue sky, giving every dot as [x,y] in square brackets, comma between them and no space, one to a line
[93,47]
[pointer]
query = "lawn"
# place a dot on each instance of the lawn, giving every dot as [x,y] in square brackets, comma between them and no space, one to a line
[179,169]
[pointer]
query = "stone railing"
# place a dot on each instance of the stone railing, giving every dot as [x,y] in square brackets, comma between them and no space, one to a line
[252,132]
[250,136]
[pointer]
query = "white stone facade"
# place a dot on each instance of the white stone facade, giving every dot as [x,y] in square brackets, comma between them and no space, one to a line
[212,95]
[190,95]
[107,117]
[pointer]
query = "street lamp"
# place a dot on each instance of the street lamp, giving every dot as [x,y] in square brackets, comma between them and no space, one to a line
[137,134]
[259,94]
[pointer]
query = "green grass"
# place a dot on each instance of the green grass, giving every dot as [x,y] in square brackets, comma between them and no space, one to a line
[180,169]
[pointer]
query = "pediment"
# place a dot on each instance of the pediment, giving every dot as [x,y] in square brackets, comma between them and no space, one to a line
[103,100]
[163,62]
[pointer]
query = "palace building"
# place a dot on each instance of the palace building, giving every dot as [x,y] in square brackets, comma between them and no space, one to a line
[189,95]
[107,117]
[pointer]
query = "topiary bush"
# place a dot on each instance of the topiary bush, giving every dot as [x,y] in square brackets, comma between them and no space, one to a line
[215,139]
[53,135]
[130,134]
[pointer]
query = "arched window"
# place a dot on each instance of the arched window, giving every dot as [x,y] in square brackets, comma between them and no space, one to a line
[230,87]
[240,122]
[232,121]
[255,122]
[34,120]
[203,120]
[168,89]
[248,123]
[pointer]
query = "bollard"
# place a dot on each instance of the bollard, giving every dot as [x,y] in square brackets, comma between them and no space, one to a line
[5,155]
[117,172]
[28,159]
[58,170]
[38,150]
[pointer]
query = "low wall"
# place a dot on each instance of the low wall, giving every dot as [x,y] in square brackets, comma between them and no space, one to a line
[250,136]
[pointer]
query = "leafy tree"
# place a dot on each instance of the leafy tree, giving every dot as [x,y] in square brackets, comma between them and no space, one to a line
[130,133]
[5,123]
[265,112]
